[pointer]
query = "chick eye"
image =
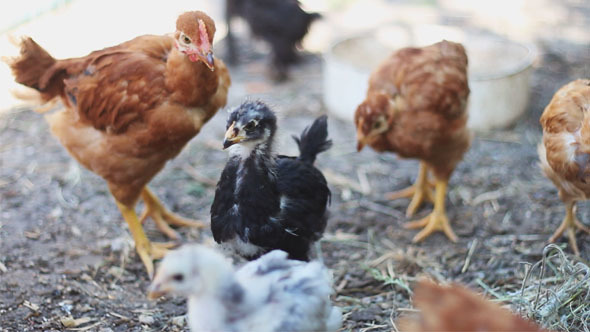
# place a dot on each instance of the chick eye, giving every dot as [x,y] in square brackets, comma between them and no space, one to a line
[178,277]
[250,125]
[186,39]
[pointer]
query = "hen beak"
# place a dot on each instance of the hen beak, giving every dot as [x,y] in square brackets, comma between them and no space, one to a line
[359,146]
[361,140]
[207,59]
[231,136]
[210,61]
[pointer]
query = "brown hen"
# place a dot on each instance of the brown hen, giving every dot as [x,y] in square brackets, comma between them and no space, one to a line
[416,107]
[565,152]
[456,308]
[130,108]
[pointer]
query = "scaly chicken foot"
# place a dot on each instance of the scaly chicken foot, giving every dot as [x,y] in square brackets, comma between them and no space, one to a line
[570,224]
[164,218]
[146,250]
[435,221]
[419,191]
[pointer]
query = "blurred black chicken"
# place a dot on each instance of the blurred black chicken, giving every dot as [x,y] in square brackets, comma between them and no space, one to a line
[282,23]
[263,201]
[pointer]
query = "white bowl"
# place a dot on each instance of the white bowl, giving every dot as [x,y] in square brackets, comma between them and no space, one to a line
[499,70]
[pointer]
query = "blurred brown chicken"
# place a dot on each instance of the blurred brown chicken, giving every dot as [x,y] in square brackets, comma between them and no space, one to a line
[565,152]
[456,308]
[416,107]
[130,108]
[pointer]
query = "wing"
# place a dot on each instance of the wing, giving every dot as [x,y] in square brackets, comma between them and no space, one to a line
[119,85]
[564,135]
[432,79]
[221,209]
[304,197]
[295,294]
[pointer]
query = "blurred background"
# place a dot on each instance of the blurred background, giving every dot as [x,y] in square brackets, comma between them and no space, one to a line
[70,28]
[61,235]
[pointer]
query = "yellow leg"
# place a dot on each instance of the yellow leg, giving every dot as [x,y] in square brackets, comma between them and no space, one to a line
[147,251]
[164,218]
[419,191]
[437,220]
[570,224]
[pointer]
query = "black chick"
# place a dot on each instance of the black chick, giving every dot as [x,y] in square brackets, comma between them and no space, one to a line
[282,23]
[264,201]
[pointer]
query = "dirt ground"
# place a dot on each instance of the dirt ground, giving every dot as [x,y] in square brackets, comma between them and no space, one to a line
[65,252]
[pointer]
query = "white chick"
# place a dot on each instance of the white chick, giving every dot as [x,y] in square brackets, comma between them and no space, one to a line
[271,293]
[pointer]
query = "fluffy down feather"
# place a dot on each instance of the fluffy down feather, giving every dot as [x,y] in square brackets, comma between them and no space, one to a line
[264,201]
[271,293]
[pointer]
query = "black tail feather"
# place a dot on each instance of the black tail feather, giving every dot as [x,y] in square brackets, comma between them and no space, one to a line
[315,16]
[313,140]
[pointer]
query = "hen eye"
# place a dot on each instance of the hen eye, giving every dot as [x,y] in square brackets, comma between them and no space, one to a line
[250,125]
[186,39]
[178,277]
[377,124]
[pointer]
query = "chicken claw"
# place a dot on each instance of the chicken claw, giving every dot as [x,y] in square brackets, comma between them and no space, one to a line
[146,250]
[164,218]
[571,224]
[435,221]
[419,191]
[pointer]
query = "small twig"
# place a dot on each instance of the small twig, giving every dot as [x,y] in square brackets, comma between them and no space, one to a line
[86,328]
[342,181]
[488,289]
[469,254]
[488,196]
[381,209]
[363,180]
[350,299]
[31,306]
[519,237]
[372,326]
[61,199]
[125,318]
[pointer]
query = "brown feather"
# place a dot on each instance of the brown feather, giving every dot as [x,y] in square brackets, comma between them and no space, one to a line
[130,107]
[566,140]
[188,22]
[456,308]
[423,93]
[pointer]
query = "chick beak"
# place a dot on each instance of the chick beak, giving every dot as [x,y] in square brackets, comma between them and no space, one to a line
[231,136]
[155,290]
